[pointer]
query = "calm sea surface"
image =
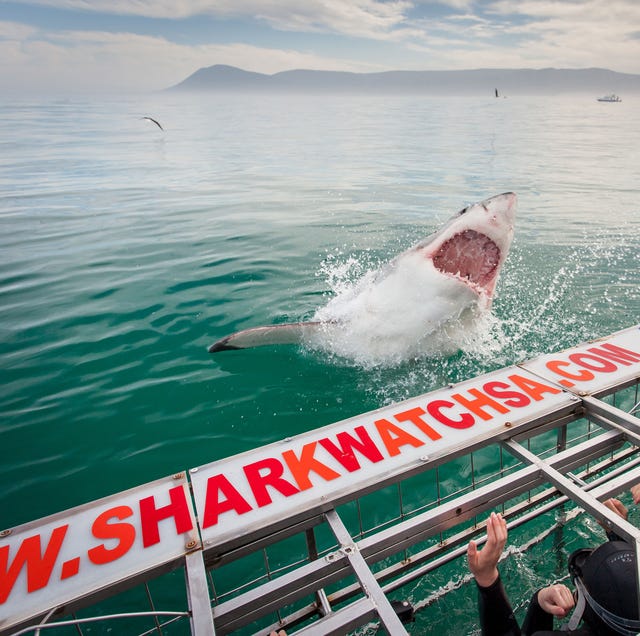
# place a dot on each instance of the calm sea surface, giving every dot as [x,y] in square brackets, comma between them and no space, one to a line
[127,250]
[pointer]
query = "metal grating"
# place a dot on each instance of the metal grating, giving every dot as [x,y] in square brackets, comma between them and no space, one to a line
[332,567]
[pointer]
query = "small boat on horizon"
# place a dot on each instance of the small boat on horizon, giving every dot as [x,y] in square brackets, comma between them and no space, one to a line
[609,98]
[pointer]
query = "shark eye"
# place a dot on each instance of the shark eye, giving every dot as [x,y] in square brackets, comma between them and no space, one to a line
[463,211]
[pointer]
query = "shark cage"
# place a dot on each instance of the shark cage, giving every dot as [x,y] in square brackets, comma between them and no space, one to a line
[331,531]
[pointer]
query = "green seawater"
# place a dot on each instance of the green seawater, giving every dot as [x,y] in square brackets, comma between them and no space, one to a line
[127,250]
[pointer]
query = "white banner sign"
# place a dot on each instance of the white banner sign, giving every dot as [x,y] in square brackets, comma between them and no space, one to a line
[50,562]
[258,488]
[593,368]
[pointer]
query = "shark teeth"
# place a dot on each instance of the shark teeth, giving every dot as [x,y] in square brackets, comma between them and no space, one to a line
[470,256]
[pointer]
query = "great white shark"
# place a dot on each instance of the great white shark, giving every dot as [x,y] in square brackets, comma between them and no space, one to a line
[428,299]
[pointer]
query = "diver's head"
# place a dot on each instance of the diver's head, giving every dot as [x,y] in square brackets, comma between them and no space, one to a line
[606,578]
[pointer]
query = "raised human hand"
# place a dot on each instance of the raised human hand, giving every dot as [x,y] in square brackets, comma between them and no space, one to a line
[617,506]
[484,563]
[556,599]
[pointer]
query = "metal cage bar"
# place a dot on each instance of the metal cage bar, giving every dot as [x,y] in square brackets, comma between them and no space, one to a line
[580,452]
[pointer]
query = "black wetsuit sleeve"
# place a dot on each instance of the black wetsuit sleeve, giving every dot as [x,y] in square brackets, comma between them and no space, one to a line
[536,620]
[612,536]
[496,615]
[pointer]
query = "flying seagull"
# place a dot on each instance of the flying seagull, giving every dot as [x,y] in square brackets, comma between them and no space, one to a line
[157,123]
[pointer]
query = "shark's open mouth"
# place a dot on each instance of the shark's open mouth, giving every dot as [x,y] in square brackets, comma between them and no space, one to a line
[469,255]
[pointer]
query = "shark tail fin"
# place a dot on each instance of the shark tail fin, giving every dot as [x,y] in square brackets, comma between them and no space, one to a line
[290,333]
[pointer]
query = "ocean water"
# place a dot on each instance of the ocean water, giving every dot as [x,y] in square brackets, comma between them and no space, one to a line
[127,250]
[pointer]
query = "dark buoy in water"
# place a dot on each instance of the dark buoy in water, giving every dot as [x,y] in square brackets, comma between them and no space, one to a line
[157,123]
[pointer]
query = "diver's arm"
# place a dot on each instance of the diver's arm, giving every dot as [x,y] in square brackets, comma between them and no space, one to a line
[536,619]
[496,615]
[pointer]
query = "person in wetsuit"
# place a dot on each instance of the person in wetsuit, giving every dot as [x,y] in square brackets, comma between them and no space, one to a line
[606,590]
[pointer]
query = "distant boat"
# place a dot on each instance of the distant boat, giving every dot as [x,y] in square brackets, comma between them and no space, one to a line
[609,98]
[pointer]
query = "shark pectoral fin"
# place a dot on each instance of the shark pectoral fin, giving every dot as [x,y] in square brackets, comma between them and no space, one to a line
[292,333]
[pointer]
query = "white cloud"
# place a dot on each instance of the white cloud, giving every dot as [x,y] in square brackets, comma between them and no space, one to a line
[363,18]
[534,34]
[146,8]
[368,16]
[15,31]
[506,33]
[589,10]
[101,61]
[613,20]
[577,34]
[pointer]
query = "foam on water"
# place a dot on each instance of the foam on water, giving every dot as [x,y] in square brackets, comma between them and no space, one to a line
[390,319]
[387,317]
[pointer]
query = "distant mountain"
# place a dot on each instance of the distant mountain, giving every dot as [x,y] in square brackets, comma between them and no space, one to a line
[547,81]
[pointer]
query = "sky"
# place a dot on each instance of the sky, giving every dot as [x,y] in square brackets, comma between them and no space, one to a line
[146,45]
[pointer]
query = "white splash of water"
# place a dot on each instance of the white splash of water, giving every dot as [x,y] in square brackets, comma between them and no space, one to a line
[408,311]
[548,298]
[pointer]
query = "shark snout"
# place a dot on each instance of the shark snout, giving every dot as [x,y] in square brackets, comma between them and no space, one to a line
[501,213]
[505,203]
